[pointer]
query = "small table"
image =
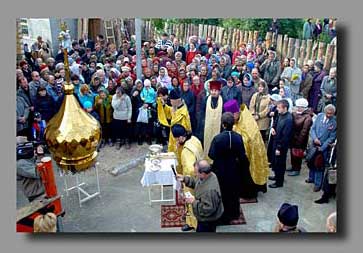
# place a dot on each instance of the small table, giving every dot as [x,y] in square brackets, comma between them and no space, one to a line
[161,177]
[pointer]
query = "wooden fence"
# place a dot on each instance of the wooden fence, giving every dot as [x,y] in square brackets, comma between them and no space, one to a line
[302,50]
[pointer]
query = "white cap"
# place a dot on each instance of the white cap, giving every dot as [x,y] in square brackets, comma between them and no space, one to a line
[302,102]
[147,83]
[275,97]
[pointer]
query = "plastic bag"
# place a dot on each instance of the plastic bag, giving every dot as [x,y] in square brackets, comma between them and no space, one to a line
[143,116]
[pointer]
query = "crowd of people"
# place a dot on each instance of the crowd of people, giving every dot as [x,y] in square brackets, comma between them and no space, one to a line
[276,105]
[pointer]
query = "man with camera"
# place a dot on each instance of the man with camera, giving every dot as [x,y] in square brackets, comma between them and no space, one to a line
[207,204]
[27,174]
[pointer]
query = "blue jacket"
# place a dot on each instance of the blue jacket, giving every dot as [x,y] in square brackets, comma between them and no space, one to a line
[148,96]
[326,133]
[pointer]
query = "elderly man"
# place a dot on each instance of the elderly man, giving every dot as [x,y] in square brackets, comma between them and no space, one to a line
[34,85]
[207,204]
[178,48]
[322,133]
[271,69]
[255,77]
[164,43]
[192,151]
[212,109]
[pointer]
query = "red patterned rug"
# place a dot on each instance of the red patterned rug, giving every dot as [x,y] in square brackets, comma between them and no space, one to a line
[247,201]
[172,216]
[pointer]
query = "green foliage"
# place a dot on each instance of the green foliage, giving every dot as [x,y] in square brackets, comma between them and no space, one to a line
[293,27]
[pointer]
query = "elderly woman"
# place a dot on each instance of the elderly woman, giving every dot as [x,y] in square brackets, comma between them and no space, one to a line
[329,89]
[248,89]
[259,107]
[292,78]
[104,110]
[164,78]
[302,122]
[122,112]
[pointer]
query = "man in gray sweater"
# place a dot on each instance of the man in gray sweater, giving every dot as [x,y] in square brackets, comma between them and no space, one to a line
[207,203]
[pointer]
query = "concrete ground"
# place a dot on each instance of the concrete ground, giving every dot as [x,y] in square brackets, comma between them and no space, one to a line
[123,205]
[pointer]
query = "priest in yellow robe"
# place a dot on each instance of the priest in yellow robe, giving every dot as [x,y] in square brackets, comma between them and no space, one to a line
[246,126]
[177,113]
[213,114]
[192,151]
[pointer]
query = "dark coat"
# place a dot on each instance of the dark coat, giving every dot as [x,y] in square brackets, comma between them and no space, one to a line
[283,128]
[228,93]
[45,106]
[301,128]
[229,163]
[199,115]
[305,85]
[181,50]
[315,93]
[247,93]
[136,102]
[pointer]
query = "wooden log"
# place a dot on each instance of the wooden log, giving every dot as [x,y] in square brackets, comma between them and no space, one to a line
[328,57]
[284,47]
[321,50]
[230,35]
[302,53]
[250,37]
[274,39]
[290,47]
[200,30]
[224,36]
[245,38]
[240,37]
[297,50]
[209,30]
[233,38]
[238,34]
[334,60]
[309,45]
[314,51]
[268,39]
[279,45]
[255,39]
[205,31]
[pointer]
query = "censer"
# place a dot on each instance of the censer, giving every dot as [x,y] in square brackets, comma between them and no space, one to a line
[72,135]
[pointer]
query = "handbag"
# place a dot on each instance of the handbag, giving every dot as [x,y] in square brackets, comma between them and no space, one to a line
[315,159]
[332,176]
[319,160]
[298,152]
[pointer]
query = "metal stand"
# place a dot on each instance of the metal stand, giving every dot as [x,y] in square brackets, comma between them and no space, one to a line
[79,188]
[161,194]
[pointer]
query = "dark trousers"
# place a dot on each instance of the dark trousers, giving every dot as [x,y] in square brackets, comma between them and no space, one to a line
[206,226]
[296,162]
[121,130]
[328,189]
[106,131]
[264,135]
[279,167]
[141,131]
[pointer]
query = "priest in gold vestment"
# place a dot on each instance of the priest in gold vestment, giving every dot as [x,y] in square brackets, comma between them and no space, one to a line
[192,151]
[247,127]
[213,109]
[177,113]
